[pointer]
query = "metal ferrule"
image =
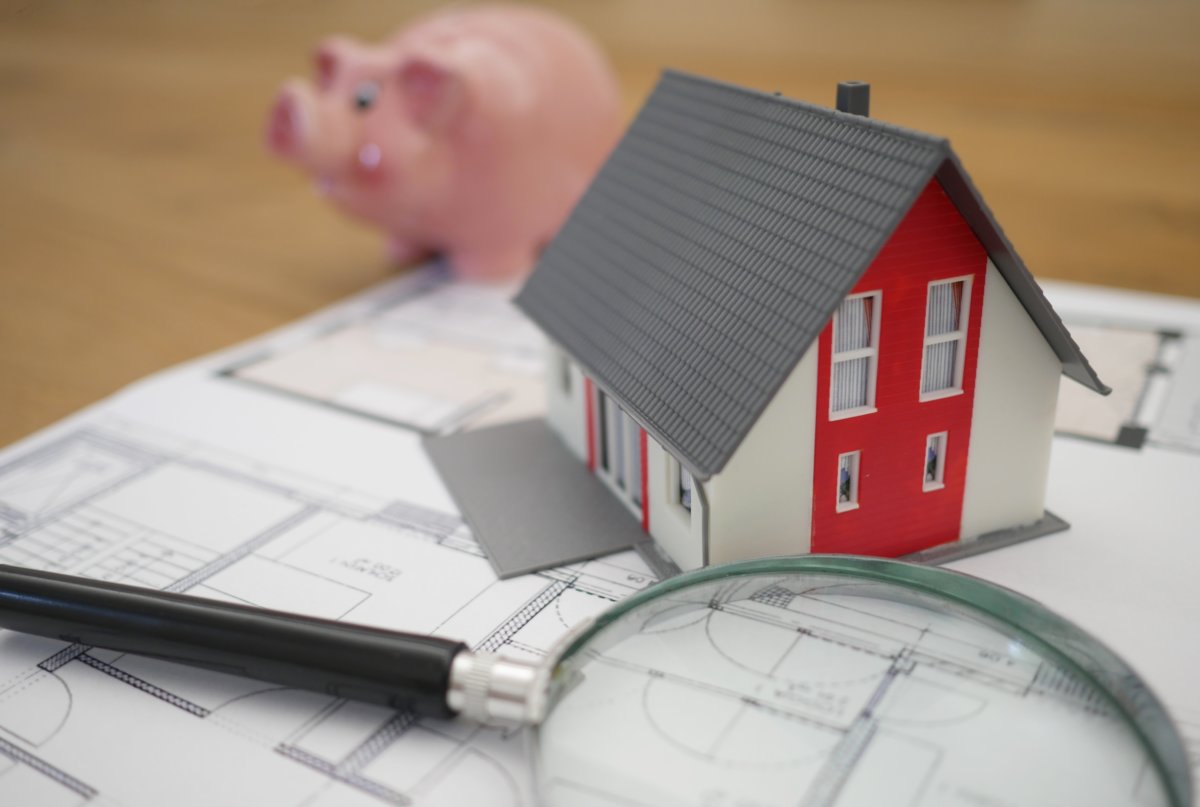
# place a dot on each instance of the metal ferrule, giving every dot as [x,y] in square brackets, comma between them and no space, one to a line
[497,690]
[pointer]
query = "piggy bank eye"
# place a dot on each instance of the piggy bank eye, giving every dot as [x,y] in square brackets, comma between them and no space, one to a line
[365,96]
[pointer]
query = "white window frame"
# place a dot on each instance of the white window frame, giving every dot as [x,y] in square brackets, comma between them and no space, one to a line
[565,382]
[960,336]
[871,352]
[679,481]
[619,449]
[855,463]
[939,480]
[602,442]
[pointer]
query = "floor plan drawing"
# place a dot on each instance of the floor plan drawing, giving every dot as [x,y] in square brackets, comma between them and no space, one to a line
[1147,371]
[288,473]
[435,358]
[116,502]
[1152,364]
[837,696]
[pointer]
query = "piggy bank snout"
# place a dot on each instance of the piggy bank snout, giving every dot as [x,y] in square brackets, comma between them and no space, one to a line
[289,123]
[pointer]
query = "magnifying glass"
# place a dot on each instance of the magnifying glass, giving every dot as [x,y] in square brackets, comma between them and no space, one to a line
[814,680]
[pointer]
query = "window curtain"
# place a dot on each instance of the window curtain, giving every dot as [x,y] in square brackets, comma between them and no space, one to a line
[852,332]
[942,316]
[943,307]
[940,361]
[853,325]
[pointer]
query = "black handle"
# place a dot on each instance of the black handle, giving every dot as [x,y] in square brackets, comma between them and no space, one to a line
[401,670]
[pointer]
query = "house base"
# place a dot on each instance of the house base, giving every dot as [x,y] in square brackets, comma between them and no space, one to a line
[944,553]
[529,501]
[665,568]
[659,562]
[533,505]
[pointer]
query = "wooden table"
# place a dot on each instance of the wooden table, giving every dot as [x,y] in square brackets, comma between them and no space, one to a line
[142,223]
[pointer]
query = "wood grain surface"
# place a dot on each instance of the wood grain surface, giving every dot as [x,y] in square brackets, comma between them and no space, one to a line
[142,222]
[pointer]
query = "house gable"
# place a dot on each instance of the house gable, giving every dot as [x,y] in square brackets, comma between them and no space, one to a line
[895,512]
[1013,422]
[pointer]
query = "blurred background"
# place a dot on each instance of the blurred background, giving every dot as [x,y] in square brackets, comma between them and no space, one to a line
[142,222]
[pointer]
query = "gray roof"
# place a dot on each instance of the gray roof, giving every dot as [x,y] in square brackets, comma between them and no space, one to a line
[716,242]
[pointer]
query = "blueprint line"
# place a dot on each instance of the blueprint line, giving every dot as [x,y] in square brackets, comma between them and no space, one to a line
[17,754]
[498,638]
[381,792]
[439,525]
[64,656]
[375,745]
[234,555]
[306,520]
[144,686]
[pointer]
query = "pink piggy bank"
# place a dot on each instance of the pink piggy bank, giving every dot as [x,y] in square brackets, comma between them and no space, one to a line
[471,133]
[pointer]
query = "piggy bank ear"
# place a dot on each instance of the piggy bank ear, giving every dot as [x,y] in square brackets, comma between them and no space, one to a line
[331,57]
[432,93]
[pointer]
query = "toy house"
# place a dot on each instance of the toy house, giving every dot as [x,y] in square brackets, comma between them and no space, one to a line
[779,328]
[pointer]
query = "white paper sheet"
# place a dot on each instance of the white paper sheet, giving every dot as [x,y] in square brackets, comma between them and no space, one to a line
[1127,569]
[206,480]
[194,481]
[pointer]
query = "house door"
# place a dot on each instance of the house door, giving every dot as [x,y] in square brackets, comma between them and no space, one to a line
[620,453]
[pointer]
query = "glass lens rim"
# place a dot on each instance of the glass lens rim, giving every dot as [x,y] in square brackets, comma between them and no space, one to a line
[1036,625]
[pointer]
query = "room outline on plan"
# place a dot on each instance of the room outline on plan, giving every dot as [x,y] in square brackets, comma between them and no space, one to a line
[111,502]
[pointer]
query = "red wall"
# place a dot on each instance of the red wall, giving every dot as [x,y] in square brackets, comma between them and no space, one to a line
[895,516]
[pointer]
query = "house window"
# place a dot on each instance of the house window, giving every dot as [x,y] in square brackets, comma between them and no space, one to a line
[935,461]
[634,452]
[619,439]
[945,338]
[602,407]
[847,481]
[681,485]
[855,355]
[617,444]
[564,373]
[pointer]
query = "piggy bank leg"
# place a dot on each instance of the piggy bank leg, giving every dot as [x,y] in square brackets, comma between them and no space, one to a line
[496,264]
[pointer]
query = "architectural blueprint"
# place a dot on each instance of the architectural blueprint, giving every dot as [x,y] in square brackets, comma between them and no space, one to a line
[448,356]
[1148,351]
[826,694]
[116,501]
[240,477]
[1125,571]
[192,482]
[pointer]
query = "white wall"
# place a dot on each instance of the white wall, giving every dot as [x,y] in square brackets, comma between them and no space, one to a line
[679,532]
[566,410]
[1016,390]
[761,503]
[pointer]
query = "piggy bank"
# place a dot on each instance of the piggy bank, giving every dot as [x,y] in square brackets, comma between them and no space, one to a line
[471,133]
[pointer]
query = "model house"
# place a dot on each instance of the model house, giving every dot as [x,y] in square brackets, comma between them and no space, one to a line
[780,328]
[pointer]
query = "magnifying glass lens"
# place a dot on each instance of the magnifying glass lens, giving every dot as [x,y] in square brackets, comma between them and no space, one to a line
[812,689]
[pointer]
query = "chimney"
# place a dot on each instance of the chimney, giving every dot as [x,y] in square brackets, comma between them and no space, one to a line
[854,97]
